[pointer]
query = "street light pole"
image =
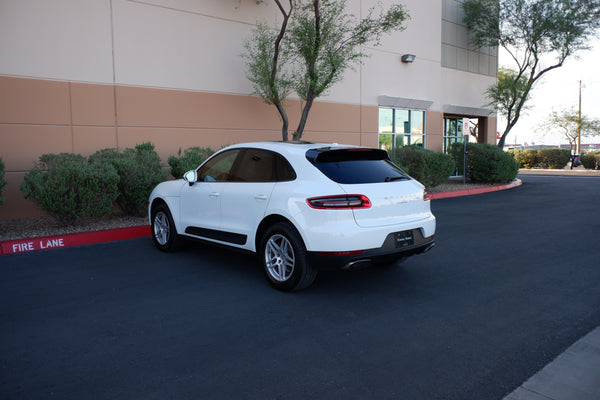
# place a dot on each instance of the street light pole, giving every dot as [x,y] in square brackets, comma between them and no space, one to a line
[578,149]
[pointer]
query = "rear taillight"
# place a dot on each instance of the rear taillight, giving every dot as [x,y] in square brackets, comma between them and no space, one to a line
[339,202]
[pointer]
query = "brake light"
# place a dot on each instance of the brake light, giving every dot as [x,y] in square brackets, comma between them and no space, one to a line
[426,196]
[339,202]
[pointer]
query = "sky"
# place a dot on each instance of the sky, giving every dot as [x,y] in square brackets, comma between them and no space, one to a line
[559,89]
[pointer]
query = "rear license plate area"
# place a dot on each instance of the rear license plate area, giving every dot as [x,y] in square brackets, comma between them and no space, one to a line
[404,238]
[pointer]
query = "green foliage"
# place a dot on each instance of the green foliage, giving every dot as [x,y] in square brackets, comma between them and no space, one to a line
[542,158]
[428,167]
[510,88]
[191,159]
[554,158]
[139,171]
[537,35]
[486,163]
[69,187]
[526,158]
[591,160]
[2,181]
[311,54]
[570,125]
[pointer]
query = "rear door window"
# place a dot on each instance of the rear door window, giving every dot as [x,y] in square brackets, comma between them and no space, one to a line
[255,165]
[258,165]
[355,165]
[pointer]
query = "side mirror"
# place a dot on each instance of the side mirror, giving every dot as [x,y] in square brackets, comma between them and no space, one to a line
[191,177]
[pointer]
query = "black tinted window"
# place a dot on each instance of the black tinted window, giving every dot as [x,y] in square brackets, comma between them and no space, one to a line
[285,172]
[218,168]
[352,166]
[255,165]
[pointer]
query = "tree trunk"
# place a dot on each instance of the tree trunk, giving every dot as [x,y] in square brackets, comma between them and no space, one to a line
[284,121]
[304,117]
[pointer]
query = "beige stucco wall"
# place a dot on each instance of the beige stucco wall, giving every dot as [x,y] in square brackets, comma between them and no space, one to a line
[41,116]
[82,75]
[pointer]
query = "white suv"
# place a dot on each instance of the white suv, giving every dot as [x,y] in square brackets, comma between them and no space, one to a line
[300,206]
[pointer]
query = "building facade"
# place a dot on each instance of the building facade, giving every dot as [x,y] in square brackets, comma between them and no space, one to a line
[83,75]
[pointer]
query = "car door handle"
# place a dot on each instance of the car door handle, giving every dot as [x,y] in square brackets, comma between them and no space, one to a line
[214,194]
[261,197]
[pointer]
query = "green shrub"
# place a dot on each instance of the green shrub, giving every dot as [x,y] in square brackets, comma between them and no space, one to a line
[191,159]
[486,163]
[543,158]
[428,167]
[2,181]
[139,171]
[69,187]
[526,158]
[591,160]
[553,158]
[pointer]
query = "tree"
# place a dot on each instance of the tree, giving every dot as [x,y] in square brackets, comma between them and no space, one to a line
[313,47]
[538,35]
[508,90]
[567,122]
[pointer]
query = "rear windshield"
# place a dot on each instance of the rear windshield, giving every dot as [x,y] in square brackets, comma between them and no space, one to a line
[355,165]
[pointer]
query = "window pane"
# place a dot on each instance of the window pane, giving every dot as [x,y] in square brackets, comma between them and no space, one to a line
[402,122]
[417,122]
[217,169]
[450,127]
[401,140]
[356,167]
[386,120]
[417,140]
[385,142]
[285,172]
[256,165]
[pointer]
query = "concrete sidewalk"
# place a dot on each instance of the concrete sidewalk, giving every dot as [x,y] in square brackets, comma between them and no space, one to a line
[573,375]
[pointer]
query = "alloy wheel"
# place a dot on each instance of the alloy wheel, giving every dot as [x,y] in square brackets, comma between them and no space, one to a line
[279,258]
[161,228]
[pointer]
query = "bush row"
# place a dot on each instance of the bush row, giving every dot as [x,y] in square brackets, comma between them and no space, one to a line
[542,158]
[70,186]
[486,163]
[191,159]
[428,167]
[591,160]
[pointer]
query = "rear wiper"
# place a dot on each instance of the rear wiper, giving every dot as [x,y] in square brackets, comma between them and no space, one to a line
[396,178]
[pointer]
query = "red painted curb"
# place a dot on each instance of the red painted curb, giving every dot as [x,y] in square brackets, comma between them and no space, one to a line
[468,192]
[73,239]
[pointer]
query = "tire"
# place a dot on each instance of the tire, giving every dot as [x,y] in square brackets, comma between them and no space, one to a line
[284,259]
[164,234]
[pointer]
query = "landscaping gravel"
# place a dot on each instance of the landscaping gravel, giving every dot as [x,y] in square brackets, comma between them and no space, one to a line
[48,226]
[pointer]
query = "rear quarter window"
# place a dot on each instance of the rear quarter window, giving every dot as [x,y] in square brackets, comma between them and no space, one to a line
[355,165]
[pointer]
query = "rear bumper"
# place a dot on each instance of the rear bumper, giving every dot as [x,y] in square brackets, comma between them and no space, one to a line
[390,251]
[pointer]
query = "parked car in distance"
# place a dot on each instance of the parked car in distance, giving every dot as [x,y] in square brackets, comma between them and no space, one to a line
[300,206]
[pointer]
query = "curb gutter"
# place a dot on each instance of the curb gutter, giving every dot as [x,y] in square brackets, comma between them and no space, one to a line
[79,239]
[468,192]
[73,239]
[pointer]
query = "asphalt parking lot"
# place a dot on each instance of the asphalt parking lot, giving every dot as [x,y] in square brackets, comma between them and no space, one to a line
[512,283]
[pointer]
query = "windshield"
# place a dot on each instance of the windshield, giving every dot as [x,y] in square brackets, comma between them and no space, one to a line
[355,165]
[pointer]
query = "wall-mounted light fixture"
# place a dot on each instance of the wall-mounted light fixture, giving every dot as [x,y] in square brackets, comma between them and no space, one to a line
[408,58]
